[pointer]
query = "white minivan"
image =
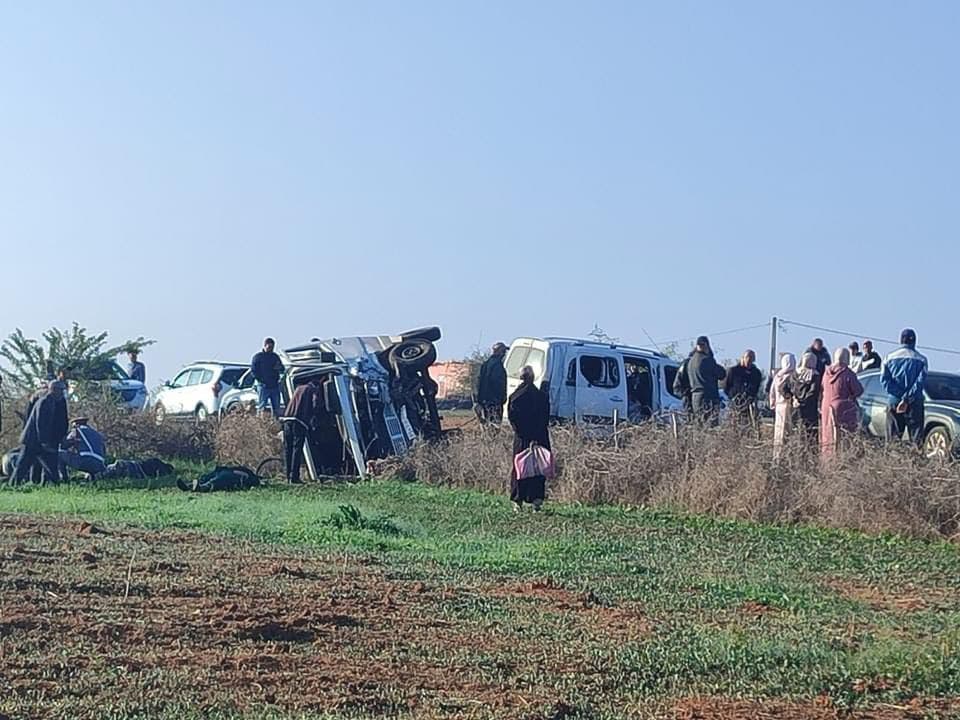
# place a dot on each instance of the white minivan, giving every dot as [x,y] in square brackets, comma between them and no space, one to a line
[591,382]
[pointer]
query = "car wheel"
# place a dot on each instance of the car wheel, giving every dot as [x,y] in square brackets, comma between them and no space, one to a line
[413,355]
[937,444]
[159,413]
[201,413]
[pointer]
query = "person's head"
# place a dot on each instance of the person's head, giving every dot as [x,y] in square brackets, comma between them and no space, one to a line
[62,375]
[703,344]
[841,356]
[748,359]
[499,349]
[868,345]
[808,361]
[817,344]
[788,362]
[133,355]
[908,337]
[526,374]
[854,348]
[56,388]
[269,344]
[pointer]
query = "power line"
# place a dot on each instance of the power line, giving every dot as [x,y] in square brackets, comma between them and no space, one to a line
[831,331]
[715,334]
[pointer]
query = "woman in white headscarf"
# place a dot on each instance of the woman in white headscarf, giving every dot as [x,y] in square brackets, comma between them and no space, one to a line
[781,401]
[839,411]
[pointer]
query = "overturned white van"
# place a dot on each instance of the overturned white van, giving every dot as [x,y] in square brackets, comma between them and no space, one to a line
[592,382]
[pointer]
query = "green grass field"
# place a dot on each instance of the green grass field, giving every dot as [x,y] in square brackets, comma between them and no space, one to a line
[732,609]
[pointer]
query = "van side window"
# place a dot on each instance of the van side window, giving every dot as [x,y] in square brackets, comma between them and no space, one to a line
[601,372]
[669,377]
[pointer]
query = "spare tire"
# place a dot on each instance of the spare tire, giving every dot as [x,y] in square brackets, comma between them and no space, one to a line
[413,355]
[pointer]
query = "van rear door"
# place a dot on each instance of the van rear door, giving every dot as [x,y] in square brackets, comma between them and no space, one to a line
[526,351]
[601,386]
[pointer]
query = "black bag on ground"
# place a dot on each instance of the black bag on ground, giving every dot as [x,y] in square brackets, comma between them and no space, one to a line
[222,478]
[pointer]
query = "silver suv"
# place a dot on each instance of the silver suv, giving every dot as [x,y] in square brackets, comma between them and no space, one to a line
[197,390]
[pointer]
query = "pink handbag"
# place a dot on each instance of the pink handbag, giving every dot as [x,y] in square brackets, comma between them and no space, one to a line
[534,461]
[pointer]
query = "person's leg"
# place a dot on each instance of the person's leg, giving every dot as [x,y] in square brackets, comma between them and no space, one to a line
[262,398]
[275,401]
[299,437]
[914,422]
[50,462]
[289,449]
[25,464]
[898,424]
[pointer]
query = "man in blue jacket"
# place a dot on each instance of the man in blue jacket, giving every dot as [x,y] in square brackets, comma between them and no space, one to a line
[904,378]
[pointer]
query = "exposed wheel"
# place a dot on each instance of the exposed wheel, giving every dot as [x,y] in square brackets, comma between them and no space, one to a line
[201,413]
[272,468]
[159,413]
[413,355]
[937,444]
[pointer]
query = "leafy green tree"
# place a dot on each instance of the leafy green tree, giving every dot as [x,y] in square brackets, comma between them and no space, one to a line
[26,363]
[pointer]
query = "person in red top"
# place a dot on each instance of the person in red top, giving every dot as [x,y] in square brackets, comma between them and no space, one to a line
[839,411]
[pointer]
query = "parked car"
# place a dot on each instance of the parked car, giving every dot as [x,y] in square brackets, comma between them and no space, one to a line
[197,390]
[378,394]
[941,422]
[588,381]
[130,393]
[244,396]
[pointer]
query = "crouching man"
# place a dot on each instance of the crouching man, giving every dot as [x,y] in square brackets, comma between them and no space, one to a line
[86,449]
[300,420]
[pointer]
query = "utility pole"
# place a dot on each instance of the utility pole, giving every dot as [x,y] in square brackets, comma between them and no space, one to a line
[774,324]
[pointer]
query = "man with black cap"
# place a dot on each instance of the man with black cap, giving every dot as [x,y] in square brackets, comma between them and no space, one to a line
[904,378]
[43,431]
[85,450]
[492,387]
[703,375]
[822,354]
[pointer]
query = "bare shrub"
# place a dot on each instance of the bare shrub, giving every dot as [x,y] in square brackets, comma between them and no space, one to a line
[137,435]
[722,472]
[247,439]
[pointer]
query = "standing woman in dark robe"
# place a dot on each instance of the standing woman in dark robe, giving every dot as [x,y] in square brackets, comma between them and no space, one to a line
[805,387]
[528,410]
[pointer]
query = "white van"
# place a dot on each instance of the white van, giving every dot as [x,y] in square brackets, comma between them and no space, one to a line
[588,381]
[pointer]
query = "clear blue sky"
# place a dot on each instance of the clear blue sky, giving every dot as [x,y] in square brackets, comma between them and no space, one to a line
[208,173]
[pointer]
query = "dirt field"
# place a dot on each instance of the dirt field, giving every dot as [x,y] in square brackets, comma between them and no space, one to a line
[120,622]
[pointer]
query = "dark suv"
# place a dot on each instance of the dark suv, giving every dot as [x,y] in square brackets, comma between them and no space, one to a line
[941,422]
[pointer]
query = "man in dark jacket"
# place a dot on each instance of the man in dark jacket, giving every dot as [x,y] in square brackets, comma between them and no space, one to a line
[45,428]
[821,353]
[742,386]
[870,360]
[529,413]
[300,420]
[492,387]
[704,375]
[267,369]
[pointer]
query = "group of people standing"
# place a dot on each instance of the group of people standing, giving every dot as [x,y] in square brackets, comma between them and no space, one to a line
[819,396]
